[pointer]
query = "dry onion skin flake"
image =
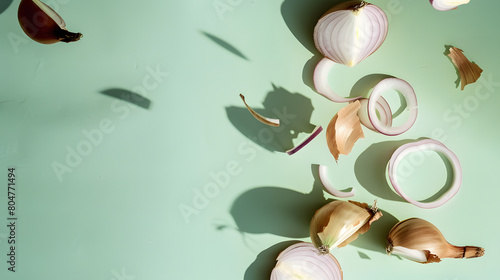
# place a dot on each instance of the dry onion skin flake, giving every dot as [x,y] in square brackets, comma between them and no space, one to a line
[420,241]
[344,130]
[259,117]
[338,223]
[427,144]
[42,24]
[347,34]
[302,261]
[469,72]
[446,5]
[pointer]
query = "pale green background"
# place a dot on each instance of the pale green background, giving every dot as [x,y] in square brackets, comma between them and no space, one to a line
[116,215]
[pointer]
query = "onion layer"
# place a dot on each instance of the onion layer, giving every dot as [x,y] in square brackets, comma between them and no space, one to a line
[427,144]
[329,187]
[303,261]
[446,5]
[411,100]
[306,141]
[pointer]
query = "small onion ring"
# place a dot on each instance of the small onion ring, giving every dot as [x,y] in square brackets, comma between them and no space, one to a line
[329,187]
[427,144]
[381,106]
[411,100]
[304,257]
[321,84]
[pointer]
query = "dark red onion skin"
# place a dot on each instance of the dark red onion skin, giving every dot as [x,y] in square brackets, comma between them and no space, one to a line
[40,27]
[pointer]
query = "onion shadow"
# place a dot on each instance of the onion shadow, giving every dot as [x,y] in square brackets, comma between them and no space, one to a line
[225,45]
[128,96]
[278,211]
[375,239]
[265,261]
[4,5]
[370,168]
[293,109]
[301,17]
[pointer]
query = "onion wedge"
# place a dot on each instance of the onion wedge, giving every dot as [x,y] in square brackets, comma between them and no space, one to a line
[303,261]
[259,117]
[446,5]
[306,141]
[329,187]
[427,144]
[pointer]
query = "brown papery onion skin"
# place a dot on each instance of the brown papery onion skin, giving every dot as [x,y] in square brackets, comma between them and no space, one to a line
[419,234]
[41,27]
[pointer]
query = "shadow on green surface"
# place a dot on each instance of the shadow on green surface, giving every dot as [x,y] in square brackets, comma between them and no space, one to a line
[301,17]
[128,96]
[266,260]
[293,109]
[375,239]
[4,4]
[278,211]
[230,48]
[370,168]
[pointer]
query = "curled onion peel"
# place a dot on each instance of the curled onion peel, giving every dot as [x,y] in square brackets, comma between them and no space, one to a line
[469,72]
[411,100]
[446,5]
[303,261]
[323,176]
[427,144]
[259,117]
[317,130]
[382,107]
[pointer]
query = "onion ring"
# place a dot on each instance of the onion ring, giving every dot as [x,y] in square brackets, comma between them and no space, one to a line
[427,144]
[411,100]
[329,187]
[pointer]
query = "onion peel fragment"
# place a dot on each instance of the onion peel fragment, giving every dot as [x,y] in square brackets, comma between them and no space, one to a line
[469,71]
[317,130]
[344,130]
[259,117]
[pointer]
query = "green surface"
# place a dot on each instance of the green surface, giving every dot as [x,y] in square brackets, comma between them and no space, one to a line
[115,213]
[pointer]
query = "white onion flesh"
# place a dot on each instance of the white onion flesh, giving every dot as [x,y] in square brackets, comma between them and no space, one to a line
[446,5]
[411,100]
[329,187]
[383,109]
[303,261]
[427,144]
[321,73]
[349,34]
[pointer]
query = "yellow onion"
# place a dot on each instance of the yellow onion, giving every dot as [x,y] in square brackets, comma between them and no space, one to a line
[338,223]
[420,241]
[43,24]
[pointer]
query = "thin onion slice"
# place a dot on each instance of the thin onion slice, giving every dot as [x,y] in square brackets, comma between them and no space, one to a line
[427,144]
[446,5]
[411,100]
[303,261]
[259,117]
[317,130]
[329,187]
[321,84]
[382,107]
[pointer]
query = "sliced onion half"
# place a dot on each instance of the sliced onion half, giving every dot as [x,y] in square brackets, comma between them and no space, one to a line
[303,261]
[446,5]
[323,176]
[306,141]
[427,144]
[259,117]
[373,102]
